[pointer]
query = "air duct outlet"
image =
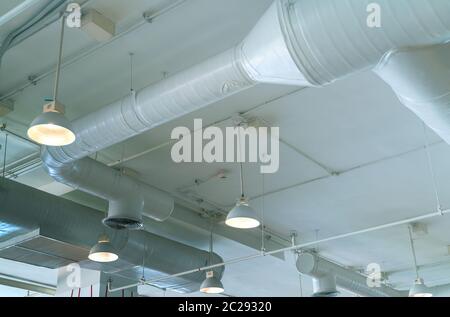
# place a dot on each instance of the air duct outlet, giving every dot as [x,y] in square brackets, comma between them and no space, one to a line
[325,286]
[125,214]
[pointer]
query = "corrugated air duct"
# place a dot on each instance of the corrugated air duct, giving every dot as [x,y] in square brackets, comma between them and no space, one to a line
[296,42]
[68,230]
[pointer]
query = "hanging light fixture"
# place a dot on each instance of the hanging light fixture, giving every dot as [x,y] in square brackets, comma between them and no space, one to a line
[211,285]
[419,289]
[242,216]
[52,128]
[103,251]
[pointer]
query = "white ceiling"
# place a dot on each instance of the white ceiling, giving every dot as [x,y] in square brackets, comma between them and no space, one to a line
[355,127]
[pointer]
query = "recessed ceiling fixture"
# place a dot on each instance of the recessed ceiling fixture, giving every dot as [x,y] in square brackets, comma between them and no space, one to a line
[242,216]
[419,289]
[52,128]
[103,251]
[211,285]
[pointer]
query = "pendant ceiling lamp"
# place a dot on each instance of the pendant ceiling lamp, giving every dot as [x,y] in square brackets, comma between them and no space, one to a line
[52,128]
[242,216]
[211,285]
[103,251]
[418,289]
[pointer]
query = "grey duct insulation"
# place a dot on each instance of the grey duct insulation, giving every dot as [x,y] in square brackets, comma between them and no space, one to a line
[297,42]
[24,209]
[325,273]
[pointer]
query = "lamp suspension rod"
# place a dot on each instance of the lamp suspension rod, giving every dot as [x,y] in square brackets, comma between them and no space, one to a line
[241,173]
[60,52]
[131,71]
[413,251]
[211,242]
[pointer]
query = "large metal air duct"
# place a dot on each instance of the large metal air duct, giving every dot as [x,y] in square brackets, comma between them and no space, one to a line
[66,232]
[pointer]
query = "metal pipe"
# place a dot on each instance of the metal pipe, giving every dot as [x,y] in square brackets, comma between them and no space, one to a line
[16,282]
[293,248]
[4,129]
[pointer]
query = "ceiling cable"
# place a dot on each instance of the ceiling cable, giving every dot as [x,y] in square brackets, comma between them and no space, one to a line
[431,169]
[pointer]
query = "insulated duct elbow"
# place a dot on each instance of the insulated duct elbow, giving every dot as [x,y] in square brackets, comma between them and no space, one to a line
[324,280]
[67,231]
[128,198]
[322,271]
[330,39]
[421,79]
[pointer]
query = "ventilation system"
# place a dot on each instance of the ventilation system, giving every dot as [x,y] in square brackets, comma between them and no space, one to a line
[297,42]
[45,230]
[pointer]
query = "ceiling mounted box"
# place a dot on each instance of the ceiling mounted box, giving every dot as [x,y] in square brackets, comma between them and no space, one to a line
[98,26]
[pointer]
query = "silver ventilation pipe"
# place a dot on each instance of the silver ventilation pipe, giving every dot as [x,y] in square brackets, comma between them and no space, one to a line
[306,43]
[321,270]
[128,198]
[68,230]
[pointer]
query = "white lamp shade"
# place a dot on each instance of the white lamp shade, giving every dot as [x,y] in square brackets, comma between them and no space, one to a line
[103,252]
[419,289]
[51,129]
[242,216]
